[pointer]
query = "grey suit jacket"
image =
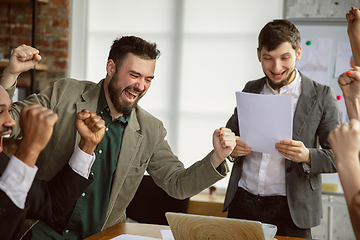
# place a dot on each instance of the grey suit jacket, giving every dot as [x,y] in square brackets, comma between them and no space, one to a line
[316,114]
[143,148]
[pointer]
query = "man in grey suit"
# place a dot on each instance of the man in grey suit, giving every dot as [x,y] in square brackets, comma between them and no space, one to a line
[285,191]
[134,140]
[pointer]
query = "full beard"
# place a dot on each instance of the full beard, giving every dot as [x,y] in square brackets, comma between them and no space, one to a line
[279,85]
[115,96]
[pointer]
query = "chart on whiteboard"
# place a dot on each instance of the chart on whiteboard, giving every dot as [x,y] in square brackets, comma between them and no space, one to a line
[315,59]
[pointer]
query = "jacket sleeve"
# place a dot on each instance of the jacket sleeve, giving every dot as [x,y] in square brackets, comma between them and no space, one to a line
[11,218]
[233,123]
[322,159]
[48,201]
[179,182]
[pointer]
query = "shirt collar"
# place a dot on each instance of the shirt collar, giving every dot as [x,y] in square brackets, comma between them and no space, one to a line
[102,104]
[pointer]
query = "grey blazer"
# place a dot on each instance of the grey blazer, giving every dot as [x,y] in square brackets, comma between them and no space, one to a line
[316,114]
[143,148]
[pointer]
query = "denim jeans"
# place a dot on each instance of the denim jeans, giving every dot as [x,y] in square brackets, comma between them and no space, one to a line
[266,209]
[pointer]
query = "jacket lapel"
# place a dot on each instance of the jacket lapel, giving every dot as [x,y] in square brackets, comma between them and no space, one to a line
[89,101]
[257,86]
[304,106]
[129,148]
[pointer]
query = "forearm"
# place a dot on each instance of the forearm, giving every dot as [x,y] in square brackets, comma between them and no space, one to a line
[49,201]
[355,220]
[8,79]
[355,47]
[353,107]
[27,153]
[87,146]
[181,183]
[349,171]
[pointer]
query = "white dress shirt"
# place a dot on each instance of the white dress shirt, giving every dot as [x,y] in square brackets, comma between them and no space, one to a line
[264,174]
[18,177]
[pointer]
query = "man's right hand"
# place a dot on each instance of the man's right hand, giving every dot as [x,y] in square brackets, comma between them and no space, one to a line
[36,125]
[91,128]
[22,59]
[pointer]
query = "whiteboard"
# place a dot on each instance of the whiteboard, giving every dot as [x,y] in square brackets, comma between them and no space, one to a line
[336,29]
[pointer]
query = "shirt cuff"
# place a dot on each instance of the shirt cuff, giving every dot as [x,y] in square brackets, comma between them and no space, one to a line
[16,181]
[81,162]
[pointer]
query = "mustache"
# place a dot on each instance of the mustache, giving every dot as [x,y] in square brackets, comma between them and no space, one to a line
[134,88]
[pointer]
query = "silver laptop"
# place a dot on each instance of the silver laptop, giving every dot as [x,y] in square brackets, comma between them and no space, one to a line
[190,226]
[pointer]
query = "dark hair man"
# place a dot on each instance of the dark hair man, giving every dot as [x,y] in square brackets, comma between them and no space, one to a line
[134,140]
[285,191]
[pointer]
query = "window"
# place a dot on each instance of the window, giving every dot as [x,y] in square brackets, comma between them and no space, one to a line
[208,52]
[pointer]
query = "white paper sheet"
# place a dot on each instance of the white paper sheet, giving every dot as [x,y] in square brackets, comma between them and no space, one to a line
[132,237]
[167,235]
[264,120]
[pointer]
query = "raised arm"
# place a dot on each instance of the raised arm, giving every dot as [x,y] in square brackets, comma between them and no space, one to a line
[345,143]
[91,128]
[37,126]
[349,83]
[22,59]
[353,18]
[50,200]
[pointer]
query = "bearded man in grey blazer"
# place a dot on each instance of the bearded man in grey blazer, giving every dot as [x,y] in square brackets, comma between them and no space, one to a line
[285,191]
[134,140]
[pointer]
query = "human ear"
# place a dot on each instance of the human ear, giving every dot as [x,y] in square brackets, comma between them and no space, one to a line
[298,54]
[110,67]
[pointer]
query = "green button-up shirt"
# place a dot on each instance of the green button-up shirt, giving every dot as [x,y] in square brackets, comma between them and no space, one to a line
[88,214]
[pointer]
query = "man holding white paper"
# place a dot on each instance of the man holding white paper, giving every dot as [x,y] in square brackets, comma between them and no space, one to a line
[284,189]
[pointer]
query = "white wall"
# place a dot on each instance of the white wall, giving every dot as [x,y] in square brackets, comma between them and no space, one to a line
[208,52]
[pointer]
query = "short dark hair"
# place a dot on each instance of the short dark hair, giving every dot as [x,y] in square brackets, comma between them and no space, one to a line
[277,32]
[135,45]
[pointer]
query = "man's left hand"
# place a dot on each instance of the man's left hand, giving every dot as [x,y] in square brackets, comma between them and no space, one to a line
[294,150]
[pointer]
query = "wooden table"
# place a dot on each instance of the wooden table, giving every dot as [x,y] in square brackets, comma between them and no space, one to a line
[203,204]
[146,230]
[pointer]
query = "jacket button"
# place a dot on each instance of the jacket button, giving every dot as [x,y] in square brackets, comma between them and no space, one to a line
[288,170]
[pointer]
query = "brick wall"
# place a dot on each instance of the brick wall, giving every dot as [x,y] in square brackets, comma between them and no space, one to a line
[52,41]
[52,35]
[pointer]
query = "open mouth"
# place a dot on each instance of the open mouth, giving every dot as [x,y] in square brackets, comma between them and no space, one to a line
[6,134]
[278,75]
[131,95]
